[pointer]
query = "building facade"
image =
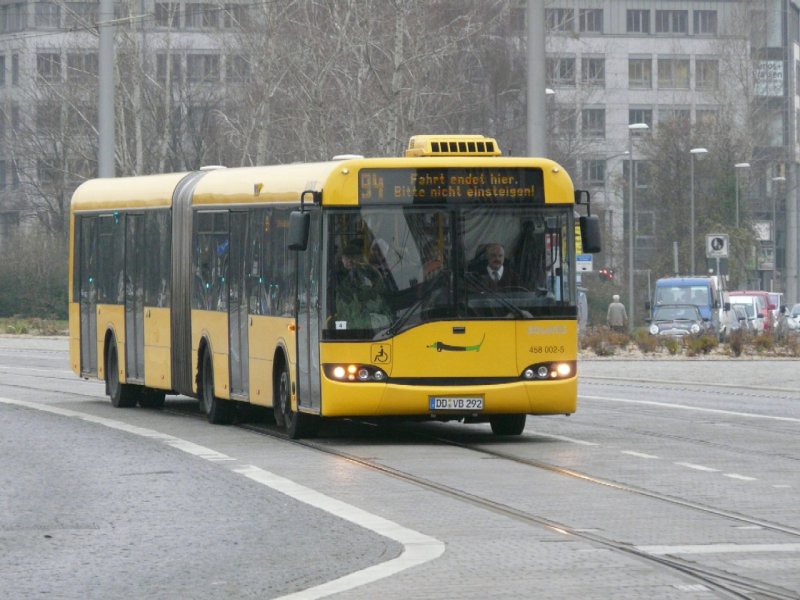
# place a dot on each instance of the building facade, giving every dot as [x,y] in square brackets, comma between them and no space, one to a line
[692,66]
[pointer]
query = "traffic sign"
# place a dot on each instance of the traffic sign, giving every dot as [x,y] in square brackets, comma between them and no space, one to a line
[717,245]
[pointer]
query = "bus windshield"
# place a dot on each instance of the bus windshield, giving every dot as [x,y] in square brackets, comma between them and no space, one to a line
[391,268]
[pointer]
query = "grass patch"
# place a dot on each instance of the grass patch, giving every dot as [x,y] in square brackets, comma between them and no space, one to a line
[33,326]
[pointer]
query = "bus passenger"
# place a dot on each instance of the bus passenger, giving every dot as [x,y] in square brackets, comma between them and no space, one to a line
[359,291]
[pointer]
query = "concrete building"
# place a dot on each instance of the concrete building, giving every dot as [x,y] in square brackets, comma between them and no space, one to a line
[613,63]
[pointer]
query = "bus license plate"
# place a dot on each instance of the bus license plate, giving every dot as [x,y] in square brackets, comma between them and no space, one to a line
[455,403]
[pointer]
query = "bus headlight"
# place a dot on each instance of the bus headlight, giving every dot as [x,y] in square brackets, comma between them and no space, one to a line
[354,373]
[695,328]
[653,329]
[549,370]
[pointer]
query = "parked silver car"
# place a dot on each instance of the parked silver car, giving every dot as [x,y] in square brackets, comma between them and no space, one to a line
[677,320]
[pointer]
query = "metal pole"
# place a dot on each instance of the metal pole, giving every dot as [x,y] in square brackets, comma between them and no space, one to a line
[105,100]
[631,187]
[537,139]
[774,235]
[691,217]
[790,281]
[737,197]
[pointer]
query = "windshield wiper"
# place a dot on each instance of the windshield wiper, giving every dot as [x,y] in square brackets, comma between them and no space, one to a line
[428,288]
[516,310]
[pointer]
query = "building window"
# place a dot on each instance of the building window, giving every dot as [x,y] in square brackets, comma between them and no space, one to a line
[202,67]
[566,122]
[81,66]
[593,122]
[707,117]
[2,70]
[594,171]
[15,69]
[237,68]
[705,22]
[80,15]
[48,66]
[640,73]
[201,16]
[167,15]
[48,119]
[236,15]
[561,71]
[638,21]
[675,116]
[48,15]
[706,74]
[47,171]
[590,20]
[672,21]
[673,73]
[17,19]
[559,19]
[641,115]
[593,71]
[174,67]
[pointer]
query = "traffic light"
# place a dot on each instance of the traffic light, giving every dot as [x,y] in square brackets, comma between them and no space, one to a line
[607,274]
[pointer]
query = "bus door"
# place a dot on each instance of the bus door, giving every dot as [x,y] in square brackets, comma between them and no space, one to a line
[87,277]
[308,315]
[237,306]
[135,256]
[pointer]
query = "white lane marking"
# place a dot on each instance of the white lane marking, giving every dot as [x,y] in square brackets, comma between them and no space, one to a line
[697,467]
[695,408]
[418,548]
[782,486]
[528,433]
[7,369]
[638,454]
[719,548]
[740,477]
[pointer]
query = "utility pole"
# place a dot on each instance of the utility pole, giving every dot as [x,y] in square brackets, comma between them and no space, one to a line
[537,138]
[105,100]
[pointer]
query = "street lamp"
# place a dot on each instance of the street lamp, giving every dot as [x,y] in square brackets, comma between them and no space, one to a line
[632,128]
[774,235]
[738,167]
[694,152]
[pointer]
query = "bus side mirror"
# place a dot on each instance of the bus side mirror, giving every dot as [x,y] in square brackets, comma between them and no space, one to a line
[647,305]
[727,306]
[590,234]
[299,225]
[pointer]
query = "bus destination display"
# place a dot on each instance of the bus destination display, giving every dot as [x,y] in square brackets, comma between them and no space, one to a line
[444,185]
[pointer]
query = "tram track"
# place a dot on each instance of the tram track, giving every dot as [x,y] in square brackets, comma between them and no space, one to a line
[729,584]
[723,582]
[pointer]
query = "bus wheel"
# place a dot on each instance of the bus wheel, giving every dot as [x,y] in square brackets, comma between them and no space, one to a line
[152,399]
[219,411]
[122,395]
[297,424]
[508,424]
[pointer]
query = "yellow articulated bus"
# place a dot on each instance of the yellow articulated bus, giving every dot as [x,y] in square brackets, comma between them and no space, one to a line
[439,285]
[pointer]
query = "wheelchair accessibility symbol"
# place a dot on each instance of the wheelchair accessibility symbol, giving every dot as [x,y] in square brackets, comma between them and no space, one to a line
[381,354]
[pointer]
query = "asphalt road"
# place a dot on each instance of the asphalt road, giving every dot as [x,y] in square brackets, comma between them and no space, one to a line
[675,479]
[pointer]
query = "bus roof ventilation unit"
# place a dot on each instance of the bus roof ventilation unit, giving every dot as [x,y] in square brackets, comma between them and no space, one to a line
[452,145]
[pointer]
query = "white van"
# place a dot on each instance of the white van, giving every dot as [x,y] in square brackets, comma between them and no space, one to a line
[755,306]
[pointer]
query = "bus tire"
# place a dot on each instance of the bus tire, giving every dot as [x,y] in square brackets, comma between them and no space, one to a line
[508,424]
[122,395]
[298,424]
[152,399]
[218,411]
